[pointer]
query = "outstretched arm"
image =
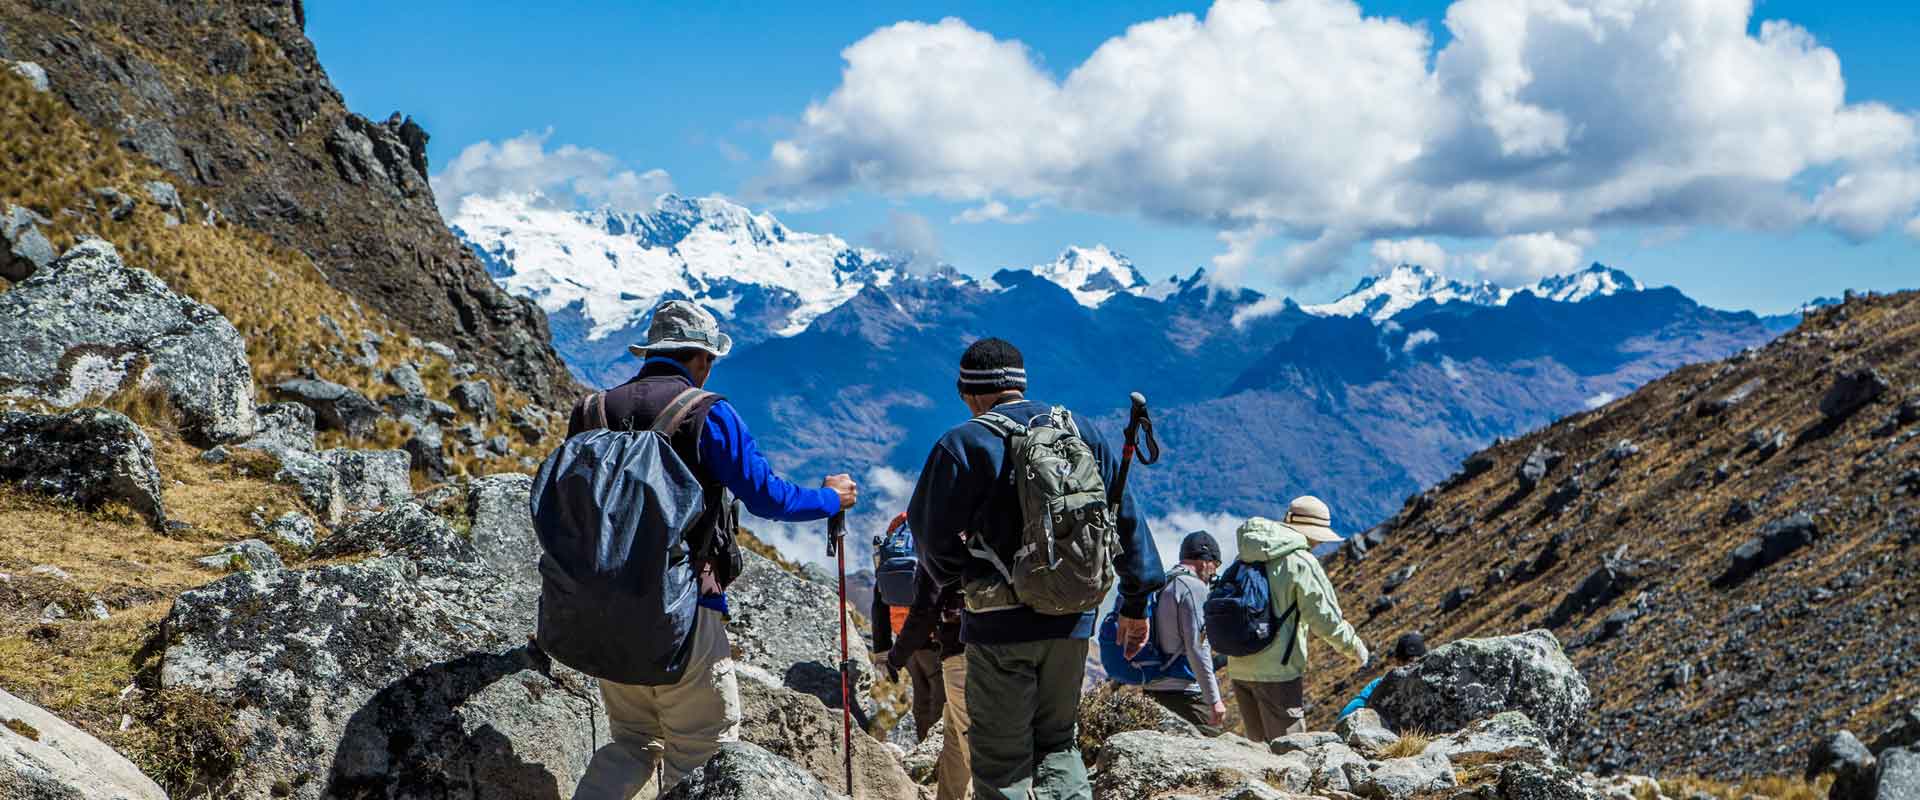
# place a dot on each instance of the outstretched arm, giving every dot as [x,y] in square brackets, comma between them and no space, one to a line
[1320,610]
[729,453]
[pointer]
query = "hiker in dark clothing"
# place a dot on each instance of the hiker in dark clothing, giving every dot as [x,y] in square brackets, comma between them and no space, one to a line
[1026,666]
[933,626]
[918,655]
[685,723]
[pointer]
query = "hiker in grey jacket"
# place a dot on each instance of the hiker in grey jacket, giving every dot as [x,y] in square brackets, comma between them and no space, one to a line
[1179,624]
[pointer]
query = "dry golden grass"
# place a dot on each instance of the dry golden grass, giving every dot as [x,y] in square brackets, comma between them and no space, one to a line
[1410,744]
[1771,788]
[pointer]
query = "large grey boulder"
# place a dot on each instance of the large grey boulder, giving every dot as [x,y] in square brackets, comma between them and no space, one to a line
[87,325]
[1504,737]
[23,248]
[283,426]
[1148,764]
[1471,679]
[335,407]
[1899,775]
[406,674]
[801,729]
[1522,780]
[785,624]
[88,456]
[1365,732]
[476,398]
[370,480]
[44,758]
[743,771]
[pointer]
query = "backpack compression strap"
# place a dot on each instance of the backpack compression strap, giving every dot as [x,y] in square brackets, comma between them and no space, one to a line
[675,413]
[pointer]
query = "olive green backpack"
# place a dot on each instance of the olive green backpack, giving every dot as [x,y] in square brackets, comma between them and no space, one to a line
[1064,561]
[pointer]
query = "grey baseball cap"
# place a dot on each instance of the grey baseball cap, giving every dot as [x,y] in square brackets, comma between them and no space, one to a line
[680,325]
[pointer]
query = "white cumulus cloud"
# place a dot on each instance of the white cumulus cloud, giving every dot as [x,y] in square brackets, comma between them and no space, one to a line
[1418,338]
[1310,120]
[1390,253]
[1913,227]
[524,165]
[992,211]
[910,236]
[1527,257]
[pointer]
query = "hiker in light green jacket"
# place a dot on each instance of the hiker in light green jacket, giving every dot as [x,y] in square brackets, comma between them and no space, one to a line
[1269,685]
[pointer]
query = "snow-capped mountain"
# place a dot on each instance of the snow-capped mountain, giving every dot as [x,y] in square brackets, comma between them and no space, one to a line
[612,267]
[1095,274]
[1380,297]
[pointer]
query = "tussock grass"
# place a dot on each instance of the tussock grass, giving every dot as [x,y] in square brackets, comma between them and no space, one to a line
[1775,787]
[1410,744]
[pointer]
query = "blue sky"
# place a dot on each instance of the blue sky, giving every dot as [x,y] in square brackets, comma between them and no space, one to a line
[704,91]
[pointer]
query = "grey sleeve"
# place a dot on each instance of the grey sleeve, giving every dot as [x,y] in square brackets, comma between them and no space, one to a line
[1193,634]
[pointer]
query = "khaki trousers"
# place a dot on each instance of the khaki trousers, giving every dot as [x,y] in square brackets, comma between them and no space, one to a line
[1272,710]
[954,771]
[681,725]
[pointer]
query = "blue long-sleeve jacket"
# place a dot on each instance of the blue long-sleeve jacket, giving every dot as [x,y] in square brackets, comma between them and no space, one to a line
[964,487]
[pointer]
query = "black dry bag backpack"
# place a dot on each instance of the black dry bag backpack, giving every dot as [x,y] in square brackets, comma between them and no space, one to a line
[1239,612]
[618,590]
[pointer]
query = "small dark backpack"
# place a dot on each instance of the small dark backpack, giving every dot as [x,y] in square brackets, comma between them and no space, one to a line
[893,576]
[1239,613]
[619,591]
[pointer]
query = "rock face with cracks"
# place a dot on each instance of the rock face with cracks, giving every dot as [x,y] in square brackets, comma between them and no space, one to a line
[87,325]
[742,771]
[87,457]
[1466,680]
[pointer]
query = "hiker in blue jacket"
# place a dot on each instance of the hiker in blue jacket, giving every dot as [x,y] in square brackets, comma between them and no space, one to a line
[1024,668]
[685,723]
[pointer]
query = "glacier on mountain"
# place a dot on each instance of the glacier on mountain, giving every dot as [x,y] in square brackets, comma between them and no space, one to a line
[1380,297]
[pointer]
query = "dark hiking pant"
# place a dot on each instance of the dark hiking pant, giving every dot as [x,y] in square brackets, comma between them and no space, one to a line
[1025,701]
[1188,706]
[1272,710]
[929,691]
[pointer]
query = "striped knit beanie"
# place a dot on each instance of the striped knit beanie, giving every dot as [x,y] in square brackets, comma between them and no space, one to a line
[992,365]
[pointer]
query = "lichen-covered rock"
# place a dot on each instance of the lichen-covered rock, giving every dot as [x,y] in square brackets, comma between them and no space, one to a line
[87,325]
[1526,781]
[1898,777]
[743,771]
[1471,679]
[784,624]
[244,555]
[335,407]
[1365,732]
[1397,778]
[921,761]
[294,529]
[88,456]
[370,480]
[404,675]
[801,729]
[1149,764]
[283,425]
[23,248]
[1504,737]
[1294,742]
[44,758]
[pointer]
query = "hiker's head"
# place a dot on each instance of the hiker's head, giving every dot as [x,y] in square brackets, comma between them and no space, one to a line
[685,333]
[1201,554]
[1409,647]
[1310,517]
[699,363]
[991,371]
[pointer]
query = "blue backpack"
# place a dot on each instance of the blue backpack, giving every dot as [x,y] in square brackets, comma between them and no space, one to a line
[1150,664]
[893,578]
[1239,613]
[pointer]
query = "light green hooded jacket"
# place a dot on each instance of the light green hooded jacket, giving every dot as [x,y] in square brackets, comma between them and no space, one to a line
[1293,574]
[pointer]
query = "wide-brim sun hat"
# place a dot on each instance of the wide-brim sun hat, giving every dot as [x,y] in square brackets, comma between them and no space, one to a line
[680,325]
[1309,517]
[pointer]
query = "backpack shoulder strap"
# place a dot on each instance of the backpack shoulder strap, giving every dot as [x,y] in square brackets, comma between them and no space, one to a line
[1002,425]
[675,414]
[592,410]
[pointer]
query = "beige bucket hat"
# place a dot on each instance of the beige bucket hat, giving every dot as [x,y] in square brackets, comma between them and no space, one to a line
[680,325]
[1309,517]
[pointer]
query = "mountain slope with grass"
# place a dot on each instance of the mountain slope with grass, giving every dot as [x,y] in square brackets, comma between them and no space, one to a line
[229,99]
[1732,552]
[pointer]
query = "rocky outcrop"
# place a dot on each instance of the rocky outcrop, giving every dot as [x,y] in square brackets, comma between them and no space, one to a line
[23,248]
[335,407]
[242,556]
[783,623]
[1147,764]
[44,758]
[370,480]
[1781,538]
[801,729]
[406,674]
[1470,679]
[1504,737]
[87,457]
[87,325]
[742,771]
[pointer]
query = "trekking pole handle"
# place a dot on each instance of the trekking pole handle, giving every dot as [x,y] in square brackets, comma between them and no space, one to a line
[836,532]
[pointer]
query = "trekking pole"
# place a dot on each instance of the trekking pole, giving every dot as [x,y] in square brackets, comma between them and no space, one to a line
[1137,420]
[836,547]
